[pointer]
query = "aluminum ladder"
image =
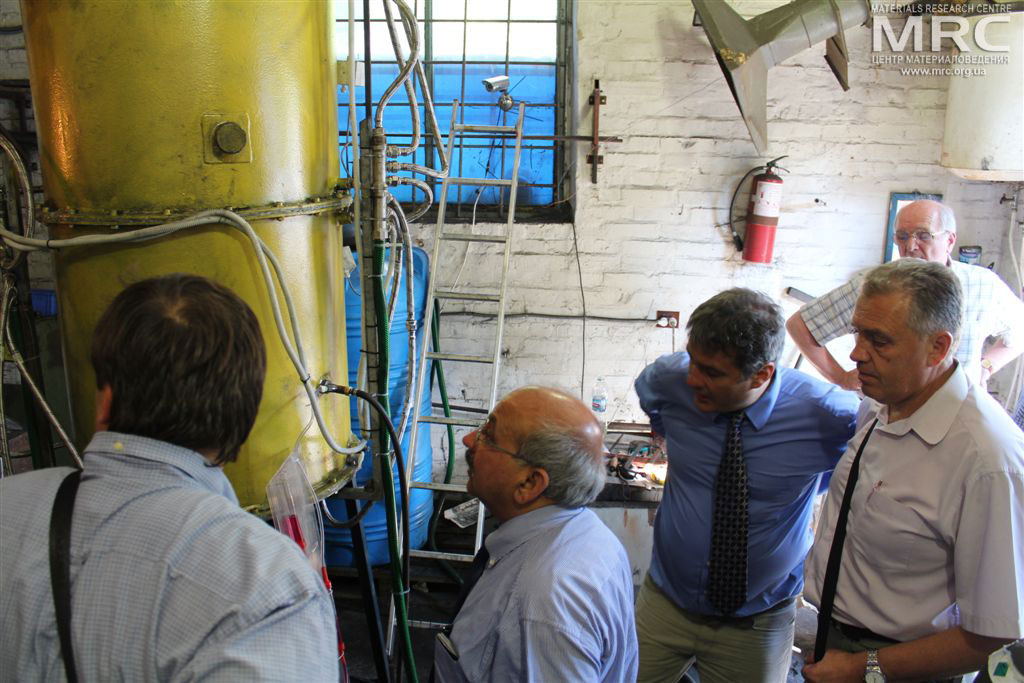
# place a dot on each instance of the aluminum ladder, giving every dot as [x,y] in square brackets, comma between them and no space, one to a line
[441,237]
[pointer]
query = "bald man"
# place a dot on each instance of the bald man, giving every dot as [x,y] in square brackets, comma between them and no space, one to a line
[925,229]
[555,599]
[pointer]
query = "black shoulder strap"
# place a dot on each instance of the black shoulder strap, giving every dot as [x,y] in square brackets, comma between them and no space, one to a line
[835,553]
[60,566]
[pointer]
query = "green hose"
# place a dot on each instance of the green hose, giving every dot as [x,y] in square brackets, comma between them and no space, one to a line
[435,336]
[398,589]
[437,372]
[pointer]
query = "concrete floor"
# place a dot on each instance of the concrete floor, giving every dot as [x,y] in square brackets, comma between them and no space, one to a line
[432,602]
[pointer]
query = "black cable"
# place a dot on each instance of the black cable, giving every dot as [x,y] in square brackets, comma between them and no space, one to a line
[583,299]
[403,487]
[737,241]
[344,523]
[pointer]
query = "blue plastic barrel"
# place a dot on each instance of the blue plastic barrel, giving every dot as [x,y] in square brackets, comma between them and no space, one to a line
[338,546]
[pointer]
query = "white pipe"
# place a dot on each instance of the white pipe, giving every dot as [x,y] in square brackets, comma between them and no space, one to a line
[1017,383]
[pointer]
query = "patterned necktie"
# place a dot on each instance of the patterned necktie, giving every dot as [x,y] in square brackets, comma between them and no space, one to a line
[727,578]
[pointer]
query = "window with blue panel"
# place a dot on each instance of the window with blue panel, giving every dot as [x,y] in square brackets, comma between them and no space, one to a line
[464,42]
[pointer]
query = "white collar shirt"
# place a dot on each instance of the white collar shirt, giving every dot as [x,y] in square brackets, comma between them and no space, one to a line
[935,535]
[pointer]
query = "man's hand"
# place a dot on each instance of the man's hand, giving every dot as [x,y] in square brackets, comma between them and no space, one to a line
[819,356]
[836,667]
[850,380]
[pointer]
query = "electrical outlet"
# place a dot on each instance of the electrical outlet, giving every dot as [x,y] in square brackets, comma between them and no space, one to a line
[669,319]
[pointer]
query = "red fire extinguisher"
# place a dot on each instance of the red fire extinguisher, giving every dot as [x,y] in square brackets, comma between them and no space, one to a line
[763,213]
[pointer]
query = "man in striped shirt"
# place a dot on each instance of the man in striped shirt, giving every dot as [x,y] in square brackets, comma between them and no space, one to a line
[925,229]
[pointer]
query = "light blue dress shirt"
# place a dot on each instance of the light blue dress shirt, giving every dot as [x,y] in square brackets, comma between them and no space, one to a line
[793,434]
[171,580]
[555,603]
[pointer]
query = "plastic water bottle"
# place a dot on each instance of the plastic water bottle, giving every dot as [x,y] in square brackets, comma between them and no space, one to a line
[599,400]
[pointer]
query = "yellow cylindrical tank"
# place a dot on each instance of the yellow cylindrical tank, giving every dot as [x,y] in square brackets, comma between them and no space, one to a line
[152,110]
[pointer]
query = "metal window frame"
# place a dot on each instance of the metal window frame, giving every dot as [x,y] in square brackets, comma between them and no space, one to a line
[460,209]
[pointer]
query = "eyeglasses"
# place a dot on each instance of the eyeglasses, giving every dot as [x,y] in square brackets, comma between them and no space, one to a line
[486,440]
[922,236]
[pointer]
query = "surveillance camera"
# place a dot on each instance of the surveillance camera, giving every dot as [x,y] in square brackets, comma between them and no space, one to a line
[499,83]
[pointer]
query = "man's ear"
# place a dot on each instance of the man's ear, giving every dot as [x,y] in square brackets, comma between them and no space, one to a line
[942,344]
[104,401]
[532,486]
[763,375]
[950,241]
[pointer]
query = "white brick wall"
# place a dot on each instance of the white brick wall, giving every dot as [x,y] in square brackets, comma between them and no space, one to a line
[647,231]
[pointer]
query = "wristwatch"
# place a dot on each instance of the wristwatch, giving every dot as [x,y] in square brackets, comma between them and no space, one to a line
[873,672]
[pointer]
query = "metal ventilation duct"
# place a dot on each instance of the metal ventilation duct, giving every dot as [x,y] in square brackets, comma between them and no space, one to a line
[747,48]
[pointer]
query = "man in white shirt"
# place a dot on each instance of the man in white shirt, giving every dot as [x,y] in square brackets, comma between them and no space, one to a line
[926,230]
[931,573]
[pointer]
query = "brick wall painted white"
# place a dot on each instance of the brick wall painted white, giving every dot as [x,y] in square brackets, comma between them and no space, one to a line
[648,231]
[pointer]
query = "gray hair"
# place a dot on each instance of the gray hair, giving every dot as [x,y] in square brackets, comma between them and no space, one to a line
[575,476]
[936,299]
[741,323]
[947,219]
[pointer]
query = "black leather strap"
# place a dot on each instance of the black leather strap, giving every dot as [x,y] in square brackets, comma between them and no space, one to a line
[60,567]
[835,554]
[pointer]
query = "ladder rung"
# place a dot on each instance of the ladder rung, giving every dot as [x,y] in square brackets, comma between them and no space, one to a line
[469,237]
[435,555]
[436,486]
[465,296]
[459,358]
[471,128]
[504,182]
[454,421]
[433,625]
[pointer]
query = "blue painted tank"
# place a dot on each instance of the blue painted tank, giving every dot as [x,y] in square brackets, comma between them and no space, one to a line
[338,546]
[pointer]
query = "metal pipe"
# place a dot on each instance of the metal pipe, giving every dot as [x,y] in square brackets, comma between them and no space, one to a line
[378,184]
[5,451]
[26,190]
[428,103]
[425,187]
[364,410]
[410,321]
[19,361]
[410,89]
[403,74]
[368,64]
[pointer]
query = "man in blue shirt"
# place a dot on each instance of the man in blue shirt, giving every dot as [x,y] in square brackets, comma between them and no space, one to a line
[554,601]
[748,444]
[170,580]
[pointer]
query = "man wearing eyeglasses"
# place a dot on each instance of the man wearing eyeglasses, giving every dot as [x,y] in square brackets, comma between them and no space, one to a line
[925,229]
[554,599]
[918,563]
